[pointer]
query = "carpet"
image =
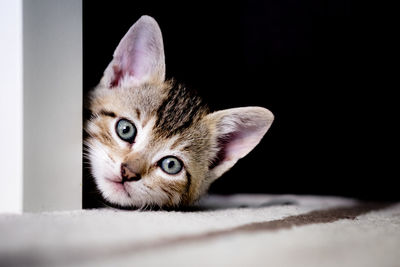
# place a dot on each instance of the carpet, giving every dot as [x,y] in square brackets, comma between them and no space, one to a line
[238,230]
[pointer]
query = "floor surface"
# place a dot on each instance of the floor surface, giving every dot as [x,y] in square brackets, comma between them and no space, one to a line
[239,230]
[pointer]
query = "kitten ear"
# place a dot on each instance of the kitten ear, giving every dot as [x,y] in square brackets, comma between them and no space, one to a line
[237,131]
[139,57]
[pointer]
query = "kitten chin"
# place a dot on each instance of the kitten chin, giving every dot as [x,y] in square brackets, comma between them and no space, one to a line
[154,143]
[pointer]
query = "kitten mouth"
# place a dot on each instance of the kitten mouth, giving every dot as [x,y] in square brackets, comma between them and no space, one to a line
[117,189]
[115,180]
[118,184]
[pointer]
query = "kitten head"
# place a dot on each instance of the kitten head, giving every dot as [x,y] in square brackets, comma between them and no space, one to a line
[153,142]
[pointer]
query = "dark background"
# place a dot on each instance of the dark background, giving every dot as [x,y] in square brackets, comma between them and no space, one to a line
[314,64]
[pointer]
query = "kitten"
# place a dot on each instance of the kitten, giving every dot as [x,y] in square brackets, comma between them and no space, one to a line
[152,142]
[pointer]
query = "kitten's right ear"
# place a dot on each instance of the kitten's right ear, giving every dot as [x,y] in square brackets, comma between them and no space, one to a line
[139,57]
[236,132]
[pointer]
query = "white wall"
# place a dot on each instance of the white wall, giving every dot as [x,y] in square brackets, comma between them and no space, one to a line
[40,105]
[52,61]
[10,106]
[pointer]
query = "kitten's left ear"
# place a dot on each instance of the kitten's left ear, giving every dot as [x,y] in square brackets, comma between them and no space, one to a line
[236,132]
[139,57]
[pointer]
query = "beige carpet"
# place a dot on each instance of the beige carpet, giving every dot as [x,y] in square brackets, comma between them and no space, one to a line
[241,230]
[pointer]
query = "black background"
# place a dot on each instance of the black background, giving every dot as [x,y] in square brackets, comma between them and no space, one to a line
[314,64]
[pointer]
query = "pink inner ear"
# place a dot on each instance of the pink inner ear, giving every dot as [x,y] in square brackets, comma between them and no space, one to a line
[117,77]
[139,56]
[221,155]
[241,144]
[237,144]
[120,72]
[132,62]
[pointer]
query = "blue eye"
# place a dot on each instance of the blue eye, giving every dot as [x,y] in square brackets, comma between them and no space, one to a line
[126,130]
[171,165]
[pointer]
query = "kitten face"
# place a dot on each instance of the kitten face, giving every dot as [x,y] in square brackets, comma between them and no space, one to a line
[150,114]
[153,142]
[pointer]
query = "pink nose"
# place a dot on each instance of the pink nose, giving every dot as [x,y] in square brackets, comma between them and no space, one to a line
[128,175]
